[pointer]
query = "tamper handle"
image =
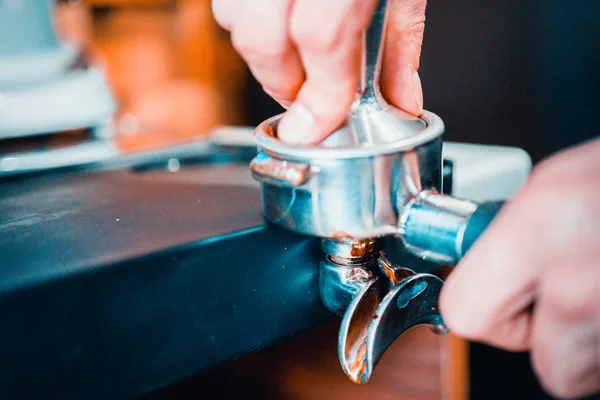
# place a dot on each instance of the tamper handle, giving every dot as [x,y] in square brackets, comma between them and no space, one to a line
[372,55]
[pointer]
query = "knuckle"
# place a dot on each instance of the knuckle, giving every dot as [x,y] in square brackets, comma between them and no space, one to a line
[284,91]
[561,382]
[543,174]
[558,388]
[568,202]
[463,328]
[332,101]
[548,193]
[415,38]
[313,34]
[546,371]
[568,383]
[411,8]
[569,298]
[416,33]
[453,303]
[221,14]
[562,169]
[259,44]
[407,42]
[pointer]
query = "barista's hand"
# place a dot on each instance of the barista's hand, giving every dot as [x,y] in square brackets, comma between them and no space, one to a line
[306,55]
[543,249]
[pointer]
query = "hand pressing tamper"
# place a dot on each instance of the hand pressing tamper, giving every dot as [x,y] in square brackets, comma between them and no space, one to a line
[380,174]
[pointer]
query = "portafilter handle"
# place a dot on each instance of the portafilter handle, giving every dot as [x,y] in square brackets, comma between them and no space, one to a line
[442,228]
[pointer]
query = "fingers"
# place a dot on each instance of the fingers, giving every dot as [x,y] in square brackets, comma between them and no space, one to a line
[225,11]
[543,248]
[307,53]
[260,35]
[400,81]
[566,330]
[328,37]
[487,296]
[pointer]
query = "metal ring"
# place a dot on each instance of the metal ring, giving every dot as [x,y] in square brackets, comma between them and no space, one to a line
[266,139]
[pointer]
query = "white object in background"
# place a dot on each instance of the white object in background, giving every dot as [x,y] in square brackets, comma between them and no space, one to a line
[238,136]
[76,99]
[47,87]
[80,154]
[42,93]
[484,172]
[33,67]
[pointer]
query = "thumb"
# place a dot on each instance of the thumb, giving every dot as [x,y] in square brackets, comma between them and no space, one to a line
[400,82]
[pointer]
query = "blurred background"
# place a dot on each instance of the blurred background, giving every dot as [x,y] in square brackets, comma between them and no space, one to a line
[172,69]
[514,73]
[504,72]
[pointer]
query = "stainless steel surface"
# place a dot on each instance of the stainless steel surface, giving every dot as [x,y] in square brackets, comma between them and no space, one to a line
[372,120]
[412,302]
[281,173]
[357,198]
[357,182]
[340,284]
[379,175]
[364,179]
[379,302]
[351,248]
[433,226]
[338,145]
[97,150]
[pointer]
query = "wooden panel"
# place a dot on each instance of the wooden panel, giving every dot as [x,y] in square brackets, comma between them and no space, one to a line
[455,368]
[306,367]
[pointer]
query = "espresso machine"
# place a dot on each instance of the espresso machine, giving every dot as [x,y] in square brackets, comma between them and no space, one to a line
[121,274]
[378,175]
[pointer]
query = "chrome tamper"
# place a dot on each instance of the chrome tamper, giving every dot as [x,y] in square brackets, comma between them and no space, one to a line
[378,175]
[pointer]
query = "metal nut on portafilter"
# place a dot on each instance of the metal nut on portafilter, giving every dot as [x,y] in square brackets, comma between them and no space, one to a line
[378,175]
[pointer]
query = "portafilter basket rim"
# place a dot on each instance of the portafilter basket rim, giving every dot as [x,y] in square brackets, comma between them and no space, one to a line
[265,136]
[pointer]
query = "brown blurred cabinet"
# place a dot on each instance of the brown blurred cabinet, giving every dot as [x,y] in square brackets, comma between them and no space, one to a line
[418,366]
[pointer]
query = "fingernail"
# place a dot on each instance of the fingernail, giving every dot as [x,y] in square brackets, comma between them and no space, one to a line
[418,90]
[283,103]
[297,125]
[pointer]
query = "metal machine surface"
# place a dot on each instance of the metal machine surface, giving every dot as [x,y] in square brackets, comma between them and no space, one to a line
[378,175]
